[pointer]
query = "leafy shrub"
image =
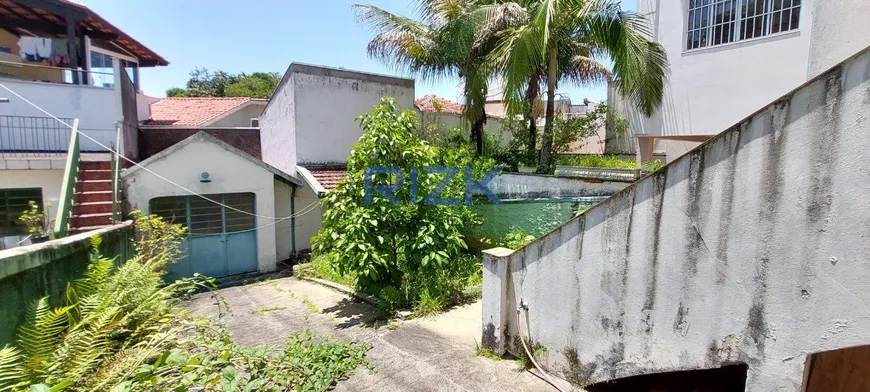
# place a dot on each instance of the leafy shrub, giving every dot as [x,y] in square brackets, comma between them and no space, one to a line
[516,239]
[603,161]
[407,248]
[120,330]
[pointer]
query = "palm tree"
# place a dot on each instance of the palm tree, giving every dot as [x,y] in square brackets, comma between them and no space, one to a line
[454,38]
[563,39]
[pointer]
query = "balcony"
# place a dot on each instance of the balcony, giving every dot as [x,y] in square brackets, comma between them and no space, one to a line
[24,138]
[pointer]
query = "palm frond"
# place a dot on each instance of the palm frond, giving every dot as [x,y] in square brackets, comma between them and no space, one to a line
[12,371]
[39,336]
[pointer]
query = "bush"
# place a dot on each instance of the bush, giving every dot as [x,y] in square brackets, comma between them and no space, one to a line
[121,330]
[603,161]
[398,251]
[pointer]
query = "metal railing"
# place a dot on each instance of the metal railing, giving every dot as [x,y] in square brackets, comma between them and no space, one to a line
[117,215]
[23,136]
[68,188]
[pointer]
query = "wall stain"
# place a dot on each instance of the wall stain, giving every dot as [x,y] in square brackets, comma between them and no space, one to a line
[681,321]
[693,195]
[727,203]
[659,187]
[823,158]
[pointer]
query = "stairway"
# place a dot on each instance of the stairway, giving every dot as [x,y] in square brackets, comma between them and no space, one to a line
[92,209]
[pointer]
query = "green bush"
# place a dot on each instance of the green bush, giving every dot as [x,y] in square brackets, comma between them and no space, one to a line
[516,239]
[398,251]
[603,161]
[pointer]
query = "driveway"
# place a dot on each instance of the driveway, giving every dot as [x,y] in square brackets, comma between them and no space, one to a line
[435,354]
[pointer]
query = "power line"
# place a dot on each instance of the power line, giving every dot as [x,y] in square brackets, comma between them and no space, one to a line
[149,170]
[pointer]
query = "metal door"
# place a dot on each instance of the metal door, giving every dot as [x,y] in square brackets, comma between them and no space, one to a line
[220,241]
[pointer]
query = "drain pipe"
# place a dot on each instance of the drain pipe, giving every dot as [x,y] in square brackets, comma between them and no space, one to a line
[293,219]
[529,355]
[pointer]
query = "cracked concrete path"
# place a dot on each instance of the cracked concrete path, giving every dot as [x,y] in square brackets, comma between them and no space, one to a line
[435,354]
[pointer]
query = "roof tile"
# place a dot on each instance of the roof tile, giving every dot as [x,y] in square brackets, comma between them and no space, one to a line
[327,175]
[193,111]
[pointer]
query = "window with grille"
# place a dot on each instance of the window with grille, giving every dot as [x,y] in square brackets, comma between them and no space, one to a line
[203,217]
[13,202]
[717,22]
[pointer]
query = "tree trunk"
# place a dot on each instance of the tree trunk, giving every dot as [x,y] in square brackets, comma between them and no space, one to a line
[547,141]
[477,131]
[532,96]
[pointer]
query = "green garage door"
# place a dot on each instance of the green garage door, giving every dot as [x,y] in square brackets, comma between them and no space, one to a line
[220,242]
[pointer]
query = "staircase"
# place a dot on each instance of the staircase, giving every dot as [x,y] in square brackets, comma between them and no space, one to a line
[92,209]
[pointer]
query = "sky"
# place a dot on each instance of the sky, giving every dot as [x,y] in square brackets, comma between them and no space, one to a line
[264,36]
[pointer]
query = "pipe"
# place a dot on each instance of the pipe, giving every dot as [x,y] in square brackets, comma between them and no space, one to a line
[293,219]
[531,357]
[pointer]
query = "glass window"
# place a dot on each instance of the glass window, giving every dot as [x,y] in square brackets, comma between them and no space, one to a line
[716,22]
[204,217]
[13,202]
[102,72]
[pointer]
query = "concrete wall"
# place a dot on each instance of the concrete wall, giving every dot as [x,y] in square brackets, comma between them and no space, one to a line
[29,273]
[229,173]
[532,186]
[308,224]
[840,30]
[278,128]
[750,249]
[96,108]
[153,140]
[328,101]
[241,118]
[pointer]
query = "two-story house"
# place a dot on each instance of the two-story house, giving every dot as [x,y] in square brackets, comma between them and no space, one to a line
[74,64]
[730,57]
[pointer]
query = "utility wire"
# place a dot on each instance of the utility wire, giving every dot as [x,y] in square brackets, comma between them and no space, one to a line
[278,219]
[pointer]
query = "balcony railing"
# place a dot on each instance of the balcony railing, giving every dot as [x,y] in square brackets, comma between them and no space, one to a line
[26,137]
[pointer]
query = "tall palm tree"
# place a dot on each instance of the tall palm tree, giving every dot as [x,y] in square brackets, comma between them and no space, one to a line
[563,39]
[454,38]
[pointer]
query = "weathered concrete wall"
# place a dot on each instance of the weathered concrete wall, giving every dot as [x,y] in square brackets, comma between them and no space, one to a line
[753,248]
[532,186]
[29,273]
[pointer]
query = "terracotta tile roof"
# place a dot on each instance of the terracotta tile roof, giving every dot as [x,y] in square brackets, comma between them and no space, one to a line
[434,103]
[327,175]
[193,111]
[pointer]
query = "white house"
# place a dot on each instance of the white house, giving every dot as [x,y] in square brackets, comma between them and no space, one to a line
[308,127]
[71,62]
[730,57]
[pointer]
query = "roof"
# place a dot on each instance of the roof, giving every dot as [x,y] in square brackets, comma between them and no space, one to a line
[327,176]
[49,17]
[434,103]
[203,137]
[178,111]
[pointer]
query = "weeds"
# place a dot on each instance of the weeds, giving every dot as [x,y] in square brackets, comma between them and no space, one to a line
[600,161]
[485,352]
[262,311]
[310,305]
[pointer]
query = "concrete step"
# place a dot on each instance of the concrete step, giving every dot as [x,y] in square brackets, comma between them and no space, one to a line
[87,220]
[95,165]
[92,175]
[98,207]
[92,197]
[94,186]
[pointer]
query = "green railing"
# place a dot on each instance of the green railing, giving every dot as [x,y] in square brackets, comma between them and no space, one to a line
[117,216]
[68,188]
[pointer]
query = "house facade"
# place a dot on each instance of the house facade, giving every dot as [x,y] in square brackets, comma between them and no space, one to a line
[730,57]
[74,64]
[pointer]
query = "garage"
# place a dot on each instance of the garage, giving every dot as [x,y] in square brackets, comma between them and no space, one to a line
[221,238]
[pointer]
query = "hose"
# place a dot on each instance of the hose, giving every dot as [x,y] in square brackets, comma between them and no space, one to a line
[529,355]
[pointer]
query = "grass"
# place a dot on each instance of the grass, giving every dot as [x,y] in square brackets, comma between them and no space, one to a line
[485,352]
[262,311]
[310,305]
[600,161]
[321,268]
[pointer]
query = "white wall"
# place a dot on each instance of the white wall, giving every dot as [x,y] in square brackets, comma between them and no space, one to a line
[283,229]
[96,108]
[840,31]
[49,180]
[278,128]
[751,249]
[241,118]
[710,89]
[229,173]
[327,104]
[308,224]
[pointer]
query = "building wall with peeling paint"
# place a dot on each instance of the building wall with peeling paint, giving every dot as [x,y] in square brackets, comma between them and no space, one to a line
[753,248]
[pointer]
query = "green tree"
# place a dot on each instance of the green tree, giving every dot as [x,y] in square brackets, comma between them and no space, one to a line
[176,92]
[396,251]
[255,85]
[453,39]
[563,40]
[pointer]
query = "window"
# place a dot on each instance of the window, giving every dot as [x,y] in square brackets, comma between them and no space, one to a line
[13,202]
[255,123]
[716,22]
[102,70]
[203,217]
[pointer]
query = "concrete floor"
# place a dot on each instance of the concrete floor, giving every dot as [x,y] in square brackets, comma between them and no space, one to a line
[435,354]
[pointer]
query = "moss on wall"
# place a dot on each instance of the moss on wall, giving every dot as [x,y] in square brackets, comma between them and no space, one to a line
[32,272]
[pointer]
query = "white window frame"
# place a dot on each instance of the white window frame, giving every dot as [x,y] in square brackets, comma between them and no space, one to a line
[709,28]
[253,120]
